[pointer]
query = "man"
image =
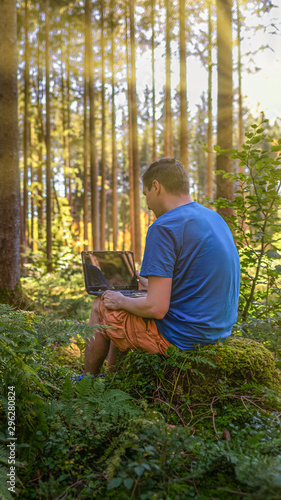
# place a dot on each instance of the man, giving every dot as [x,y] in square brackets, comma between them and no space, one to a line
[191,270]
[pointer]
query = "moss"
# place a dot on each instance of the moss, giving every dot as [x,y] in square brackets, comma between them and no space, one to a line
[203,373]
[237,362]
[68,356]
[15,297]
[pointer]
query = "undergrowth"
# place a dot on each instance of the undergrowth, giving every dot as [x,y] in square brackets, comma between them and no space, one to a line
[139,433]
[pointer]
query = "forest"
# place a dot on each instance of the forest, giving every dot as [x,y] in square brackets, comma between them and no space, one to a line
[91,93]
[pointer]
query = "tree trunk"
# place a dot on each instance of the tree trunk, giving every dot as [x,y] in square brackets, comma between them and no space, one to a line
[48,141]
[9,168]
[183,98]
[210,175]
[86,157]
[154,154]
[64,126]
[224,119]
[93,153]
[130,145]
[135,136]
[240,105]
[68,116]
[168,145]
[114,205]
[40,139]
[31,240]
[103,136]
[25,228]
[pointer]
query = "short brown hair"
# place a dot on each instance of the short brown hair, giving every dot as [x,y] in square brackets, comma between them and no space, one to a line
[170,173]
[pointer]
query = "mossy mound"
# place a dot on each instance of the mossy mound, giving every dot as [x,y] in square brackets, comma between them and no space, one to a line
[236,363]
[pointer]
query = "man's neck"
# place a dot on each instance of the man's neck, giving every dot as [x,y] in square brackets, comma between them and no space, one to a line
[172,202]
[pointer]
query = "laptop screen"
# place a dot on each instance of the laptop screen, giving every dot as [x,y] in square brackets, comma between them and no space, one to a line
[107,270]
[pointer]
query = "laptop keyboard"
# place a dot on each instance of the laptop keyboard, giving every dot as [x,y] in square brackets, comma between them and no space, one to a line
[134,293]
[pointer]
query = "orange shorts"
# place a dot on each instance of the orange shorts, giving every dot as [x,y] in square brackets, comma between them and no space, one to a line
[132,332]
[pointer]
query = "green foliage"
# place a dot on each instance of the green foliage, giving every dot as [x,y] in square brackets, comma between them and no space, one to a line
[60,294]
[256,221]
[142,432]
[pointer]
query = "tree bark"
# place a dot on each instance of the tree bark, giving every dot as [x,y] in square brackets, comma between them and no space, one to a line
[86,157]
[168,144]
[224,118]
[183,98]
[9,168]
[210,175]
[40,139]
[25,229]
[130,142]
[154,154]
[240,104]
[103,136]
[48,141]
[135,136]
[93,153]
[114,205]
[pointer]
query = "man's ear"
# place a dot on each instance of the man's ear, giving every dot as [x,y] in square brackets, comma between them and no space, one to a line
[156,186]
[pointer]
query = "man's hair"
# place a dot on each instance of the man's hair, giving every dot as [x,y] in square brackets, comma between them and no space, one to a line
[170,173]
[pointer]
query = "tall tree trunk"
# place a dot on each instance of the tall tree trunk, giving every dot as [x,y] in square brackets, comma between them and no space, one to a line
[25,228]
[31,240]
[114,205]
[240,104]
[224,118]
[64,126]
[93,153]
[210,175]
[103,135]
[40,139]
[168,145]
[9,168]
[183,98]
[68,115]
[130,142]
[135,136]
[154,154]
[86,157]
[48,141]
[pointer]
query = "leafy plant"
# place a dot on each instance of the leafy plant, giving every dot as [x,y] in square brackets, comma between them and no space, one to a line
[256,221]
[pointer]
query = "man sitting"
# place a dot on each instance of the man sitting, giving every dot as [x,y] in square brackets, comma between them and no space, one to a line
[190,268]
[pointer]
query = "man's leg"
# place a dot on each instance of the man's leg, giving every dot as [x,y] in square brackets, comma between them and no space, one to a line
[98,347]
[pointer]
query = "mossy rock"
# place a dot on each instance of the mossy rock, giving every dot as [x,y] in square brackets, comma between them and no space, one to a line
[202,373]
[237,362]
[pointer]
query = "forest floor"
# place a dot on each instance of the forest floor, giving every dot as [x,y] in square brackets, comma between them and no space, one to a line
[200,425]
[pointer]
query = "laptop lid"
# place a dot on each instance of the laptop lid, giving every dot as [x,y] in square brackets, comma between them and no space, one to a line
[109,270]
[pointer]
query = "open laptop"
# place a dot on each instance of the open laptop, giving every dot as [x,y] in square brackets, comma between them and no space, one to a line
[110,270]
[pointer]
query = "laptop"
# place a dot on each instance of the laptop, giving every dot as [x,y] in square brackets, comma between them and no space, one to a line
[110,270]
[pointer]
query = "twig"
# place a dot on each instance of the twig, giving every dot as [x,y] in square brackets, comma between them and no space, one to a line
[175,410]
[241,493]
[63,495]
[213,416]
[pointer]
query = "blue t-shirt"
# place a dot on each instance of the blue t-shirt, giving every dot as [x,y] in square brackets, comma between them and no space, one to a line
[194,246]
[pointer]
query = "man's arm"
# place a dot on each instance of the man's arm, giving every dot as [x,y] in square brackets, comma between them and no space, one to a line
[154,305]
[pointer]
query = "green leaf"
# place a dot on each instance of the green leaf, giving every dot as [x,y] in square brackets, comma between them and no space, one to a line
[139,470]
[114,483]
[272,254]
[128,483]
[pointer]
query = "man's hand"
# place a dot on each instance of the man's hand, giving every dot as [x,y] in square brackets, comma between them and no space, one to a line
[113,300]
[143,282]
